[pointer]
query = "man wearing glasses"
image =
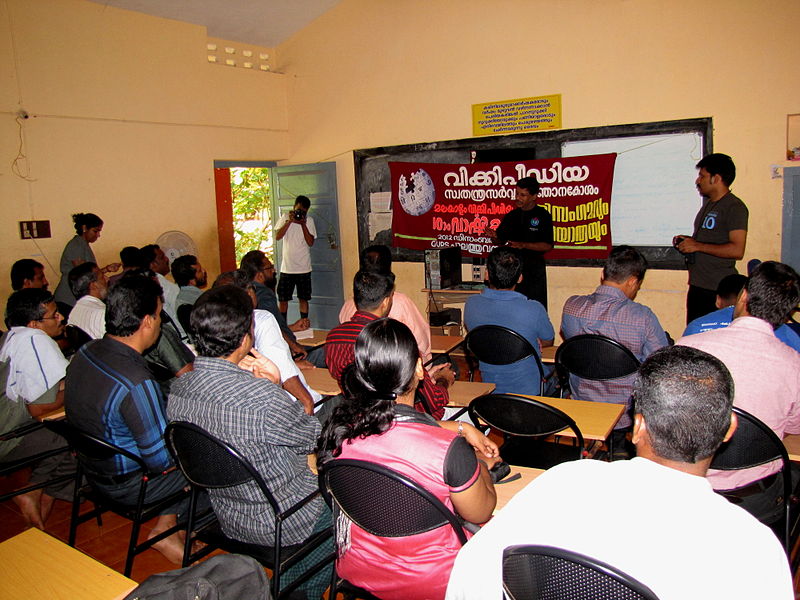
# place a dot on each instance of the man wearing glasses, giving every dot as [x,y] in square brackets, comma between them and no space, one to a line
[32,371]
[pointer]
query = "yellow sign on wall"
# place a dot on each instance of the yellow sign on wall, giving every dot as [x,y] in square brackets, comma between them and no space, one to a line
[516,116]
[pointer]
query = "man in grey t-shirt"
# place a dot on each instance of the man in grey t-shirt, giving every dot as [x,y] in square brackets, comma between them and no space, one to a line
[720,234]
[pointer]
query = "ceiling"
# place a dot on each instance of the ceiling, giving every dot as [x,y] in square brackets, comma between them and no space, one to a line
[259,22]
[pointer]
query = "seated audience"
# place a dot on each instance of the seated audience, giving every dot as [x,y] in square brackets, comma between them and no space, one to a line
[169,357]
[378,258]
[130,259]
[190,275]
[682,539]
[261,271]
[152,257]
[268,340]
[373,294]
[111,394]
[767,377]
[612,312]
[727,293]
[89,286]
[28,273]
[377,422]
[500,305]
[32,370]
[232,395]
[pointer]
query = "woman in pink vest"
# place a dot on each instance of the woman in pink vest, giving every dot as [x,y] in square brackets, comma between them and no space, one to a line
[377,422]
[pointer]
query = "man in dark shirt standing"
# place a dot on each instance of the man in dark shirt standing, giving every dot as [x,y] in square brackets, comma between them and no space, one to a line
[112,395]
[720,234]
[529,229]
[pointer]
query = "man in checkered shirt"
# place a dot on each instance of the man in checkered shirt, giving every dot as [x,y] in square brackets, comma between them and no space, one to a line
[612,312]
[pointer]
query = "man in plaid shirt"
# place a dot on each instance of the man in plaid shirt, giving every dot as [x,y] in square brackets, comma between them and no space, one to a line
[612,312]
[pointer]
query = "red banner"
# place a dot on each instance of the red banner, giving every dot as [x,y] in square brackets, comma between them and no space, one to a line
[439,205]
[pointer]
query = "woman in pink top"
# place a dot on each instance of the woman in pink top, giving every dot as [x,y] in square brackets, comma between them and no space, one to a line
[377,422]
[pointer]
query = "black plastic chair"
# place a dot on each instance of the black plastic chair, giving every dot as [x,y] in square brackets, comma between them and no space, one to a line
[184,314]
[9,467]
[209,463]
[595,357]
[382,502]
[547,573]
[524,423]
[76,337]
[496,345]
[753,444]
[89,451]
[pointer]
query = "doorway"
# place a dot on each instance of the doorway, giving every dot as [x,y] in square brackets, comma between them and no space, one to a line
[252,196]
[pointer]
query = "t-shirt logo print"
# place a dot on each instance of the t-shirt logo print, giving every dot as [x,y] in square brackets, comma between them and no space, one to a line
[534,223]
[710,221]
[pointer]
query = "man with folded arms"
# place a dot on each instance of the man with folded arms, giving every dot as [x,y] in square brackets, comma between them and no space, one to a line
[681,539]
[767,376]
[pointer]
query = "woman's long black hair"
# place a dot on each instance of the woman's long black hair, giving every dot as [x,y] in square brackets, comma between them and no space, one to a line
[386,357]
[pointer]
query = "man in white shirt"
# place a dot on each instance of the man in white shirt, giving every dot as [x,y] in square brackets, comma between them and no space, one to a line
[297,230]
[654,517]
[269,341]
[32,370]
[90,287]
[153,258]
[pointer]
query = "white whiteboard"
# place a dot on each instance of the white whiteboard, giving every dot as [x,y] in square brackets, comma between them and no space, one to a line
[654,196]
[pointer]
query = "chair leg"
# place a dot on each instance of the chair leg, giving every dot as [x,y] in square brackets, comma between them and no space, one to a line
[132,547]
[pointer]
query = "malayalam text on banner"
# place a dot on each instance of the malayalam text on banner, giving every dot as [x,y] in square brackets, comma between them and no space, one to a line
[438,205]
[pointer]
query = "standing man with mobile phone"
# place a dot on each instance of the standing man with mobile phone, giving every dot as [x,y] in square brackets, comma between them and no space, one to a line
[719,238]
[297,230]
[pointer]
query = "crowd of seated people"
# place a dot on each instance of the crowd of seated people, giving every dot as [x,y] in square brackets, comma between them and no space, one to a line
[226,359]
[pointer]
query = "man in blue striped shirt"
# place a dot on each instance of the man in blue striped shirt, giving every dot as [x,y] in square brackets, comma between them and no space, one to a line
[112,395]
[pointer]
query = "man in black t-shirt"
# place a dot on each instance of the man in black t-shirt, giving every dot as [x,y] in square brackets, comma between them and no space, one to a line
[529,229]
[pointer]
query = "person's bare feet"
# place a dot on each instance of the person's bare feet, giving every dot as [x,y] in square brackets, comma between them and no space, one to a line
[46,506]
[172,546]
[29,507]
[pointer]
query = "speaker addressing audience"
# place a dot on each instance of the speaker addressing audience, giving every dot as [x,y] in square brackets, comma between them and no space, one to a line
[719,237]
[654,517]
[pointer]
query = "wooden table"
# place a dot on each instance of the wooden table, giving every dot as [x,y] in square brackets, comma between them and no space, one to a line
[442,344]
[315,340]
[464,392]
[594,419]
[506,491]
[321,381]
[35,565]
[792,443]
[549,355]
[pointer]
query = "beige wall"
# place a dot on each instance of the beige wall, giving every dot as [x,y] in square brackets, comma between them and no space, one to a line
[373,73]
[126,119]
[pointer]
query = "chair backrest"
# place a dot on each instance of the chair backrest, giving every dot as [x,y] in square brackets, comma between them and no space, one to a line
[752,444]
[384,502]
[596,357]
[91,449]
[547,573]
[76,336]
[184,314]
[496,345]
[520,416]
[210,463]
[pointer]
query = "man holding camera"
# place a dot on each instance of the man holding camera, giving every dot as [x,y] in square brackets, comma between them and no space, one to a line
[296,229]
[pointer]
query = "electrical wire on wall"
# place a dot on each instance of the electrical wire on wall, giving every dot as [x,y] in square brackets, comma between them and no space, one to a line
[20,165]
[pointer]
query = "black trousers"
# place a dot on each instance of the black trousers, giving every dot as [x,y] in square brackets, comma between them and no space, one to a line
[699,302]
